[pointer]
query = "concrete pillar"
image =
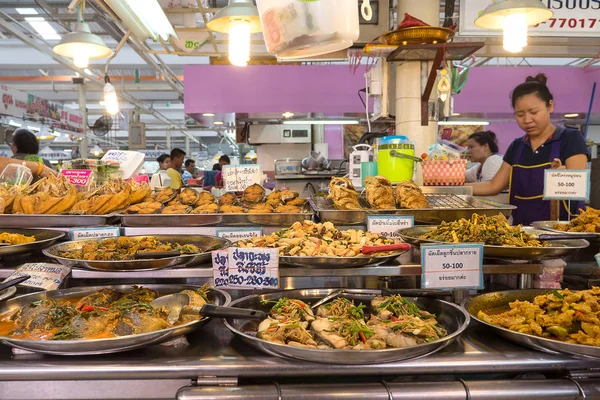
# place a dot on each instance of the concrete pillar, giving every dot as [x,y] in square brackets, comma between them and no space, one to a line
[411,78]
[188,150]
[83,145]
[169,148]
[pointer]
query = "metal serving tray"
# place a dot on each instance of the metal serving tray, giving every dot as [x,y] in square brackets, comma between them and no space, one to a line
[452,317]
[43,238]
[444,207]
[549,226]
[336,262]
[555,249]
[187,220]
[103,346]
[202,241]
[498,301]
[55,220]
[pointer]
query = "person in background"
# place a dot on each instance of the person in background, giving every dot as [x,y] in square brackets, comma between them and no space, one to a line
[217,167]
[223,160]
[177,156]
[25,146]
[164,162]
[543,146]
[161,179]
[190,171]
[38,169]
[483,149]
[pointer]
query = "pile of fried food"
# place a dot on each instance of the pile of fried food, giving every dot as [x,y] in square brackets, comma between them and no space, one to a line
[15,238]
[571,317]
[310,239]
[101,315]
[394,322]
[56,195]
[380,194]
[189,201]
[123,248]
[491,231]
[586,221]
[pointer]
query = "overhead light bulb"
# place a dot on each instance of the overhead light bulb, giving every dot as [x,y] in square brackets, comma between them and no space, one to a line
[82,45]
[81,59]
[287,114]
[239,42]
[515,33]
[208,115]
[110,98]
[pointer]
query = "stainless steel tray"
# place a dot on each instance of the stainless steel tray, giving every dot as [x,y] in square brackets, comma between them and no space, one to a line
[556,248]
[55,220]
[270,219]
[103,346]
[444,207]
[336,262]
[549,226]
[500,300]
[43,238]
[452,317]
[204,242]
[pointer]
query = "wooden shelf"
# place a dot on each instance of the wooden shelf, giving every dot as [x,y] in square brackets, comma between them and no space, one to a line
[436,53]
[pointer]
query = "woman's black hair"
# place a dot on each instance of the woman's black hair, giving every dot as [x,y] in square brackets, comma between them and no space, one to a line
[486,137]
[26,142]
[161,159]
[533,85]
[217,167]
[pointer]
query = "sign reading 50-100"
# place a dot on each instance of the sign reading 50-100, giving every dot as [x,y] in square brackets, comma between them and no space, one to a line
[571,18]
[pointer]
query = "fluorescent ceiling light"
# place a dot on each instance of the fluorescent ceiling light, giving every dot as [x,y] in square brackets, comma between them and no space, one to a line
[287,114]
[465,122]
[573,115]
[145,18]
[455,114]
[208,115]
[33,128]
[321,122]
[218,123]
[14,123]
[26,11]
[42,27]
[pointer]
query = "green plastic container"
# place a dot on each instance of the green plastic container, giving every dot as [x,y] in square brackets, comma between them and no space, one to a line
[396,169]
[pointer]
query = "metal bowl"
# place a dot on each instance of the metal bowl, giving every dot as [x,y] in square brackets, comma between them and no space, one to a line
[43,238]
[452,317]
[498,301]
[337,262]
[417,35]
[202,241]
[103,346]
[549,226]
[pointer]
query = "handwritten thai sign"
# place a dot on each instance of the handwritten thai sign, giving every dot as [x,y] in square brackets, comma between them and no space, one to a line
[237,178]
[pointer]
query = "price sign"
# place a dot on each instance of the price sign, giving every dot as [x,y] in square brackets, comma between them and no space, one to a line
[388,226]
[239,268]
[43,276]
[236,234]
[237,178]
[94,233]
[78,177]
[566,184]
[457,266]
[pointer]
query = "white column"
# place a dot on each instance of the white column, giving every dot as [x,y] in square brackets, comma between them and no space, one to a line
[83,145]
[410,84]
[169,148]
[188,150]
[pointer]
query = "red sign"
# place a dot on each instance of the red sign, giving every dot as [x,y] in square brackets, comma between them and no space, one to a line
[141,179]
[79,177]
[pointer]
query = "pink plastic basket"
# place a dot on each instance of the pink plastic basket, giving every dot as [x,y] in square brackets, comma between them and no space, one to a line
[444,172]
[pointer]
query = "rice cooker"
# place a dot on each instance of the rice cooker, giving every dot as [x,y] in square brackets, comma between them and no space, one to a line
[361,153]
[391,162]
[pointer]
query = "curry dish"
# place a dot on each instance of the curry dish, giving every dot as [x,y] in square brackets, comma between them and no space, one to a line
[571,317]
[100,315]
[394,322]
[491,231]
[123,248]
[586,221]
[15,238]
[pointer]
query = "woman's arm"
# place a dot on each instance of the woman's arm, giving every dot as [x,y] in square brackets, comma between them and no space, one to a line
[471,174]
[33,166]
[578,161]
[496,185]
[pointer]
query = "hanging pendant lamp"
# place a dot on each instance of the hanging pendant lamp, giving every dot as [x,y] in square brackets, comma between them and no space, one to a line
[82,45]
[514,17]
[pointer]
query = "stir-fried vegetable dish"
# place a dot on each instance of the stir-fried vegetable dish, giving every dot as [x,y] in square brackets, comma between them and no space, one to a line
[15,238]
[104,314]
[492,231]
[394,322]
[586,221]
[311,239]
[123,248]
[571,317]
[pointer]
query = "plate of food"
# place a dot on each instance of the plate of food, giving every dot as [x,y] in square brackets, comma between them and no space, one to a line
[499,238]
[23,241]
[99,320]
[137,253]
[549,320]
[587,222]
[358,327]
[321,245]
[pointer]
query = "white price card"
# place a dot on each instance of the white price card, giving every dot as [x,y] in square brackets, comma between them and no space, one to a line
[237,178]
[388,225]
[237,234]
[238,268]
[452,266]
[94,233]
[567,184]
[43,276]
